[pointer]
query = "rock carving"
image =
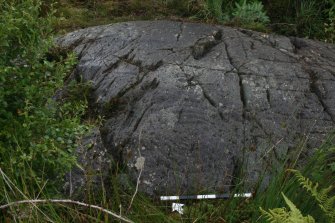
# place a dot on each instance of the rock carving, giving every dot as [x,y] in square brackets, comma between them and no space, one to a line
[204,101]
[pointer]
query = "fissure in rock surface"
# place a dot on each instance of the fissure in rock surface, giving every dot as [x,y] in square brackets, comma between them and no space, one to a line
[197,102]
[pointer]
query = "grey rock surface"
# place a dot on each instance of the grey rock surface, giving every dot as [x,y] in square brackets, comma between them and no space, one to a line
[192,104]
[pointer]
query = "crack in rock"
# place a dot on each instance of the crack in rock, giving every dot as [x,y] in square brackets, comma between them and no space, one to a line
[315,89]
[206,102]
[181,27]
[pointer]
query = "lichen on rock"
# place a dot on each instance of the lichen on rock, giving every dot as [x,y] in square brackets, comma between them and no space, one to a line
[204,101]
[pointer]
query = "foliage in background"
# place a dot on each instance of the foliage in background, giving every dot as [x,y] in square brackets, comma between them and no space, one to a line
[241,11]
[303,18]
[247,13]
[38,133]
[220,9]
[330,24]
[74,14]
[215,7]
[309,18]
[250,15]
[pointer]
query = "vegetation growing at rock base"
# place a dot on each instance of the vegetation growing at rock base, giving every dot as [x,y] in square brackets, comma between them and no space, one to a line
[39,131]
[325,201]
[303,18]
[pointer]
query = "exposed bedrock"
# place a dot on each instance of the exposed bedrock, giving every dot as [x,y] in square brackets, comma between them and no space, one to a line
[192,104]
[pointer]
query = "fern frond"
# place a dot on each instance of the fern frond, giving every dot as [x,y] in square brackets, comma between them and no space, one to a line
[326,203]
[277,215]
[294,210]
[306,183]
[323,194]
[281,215]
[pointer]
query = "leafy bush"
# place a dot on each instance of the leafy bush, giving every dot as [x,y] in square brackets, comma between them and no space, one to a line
[220,9]
[38,134]
[248,13]
[238,13]
[304,18]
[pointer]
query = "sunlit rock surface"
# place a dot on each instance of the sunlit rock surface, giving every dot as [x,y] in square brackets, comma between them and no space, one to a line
[191,105]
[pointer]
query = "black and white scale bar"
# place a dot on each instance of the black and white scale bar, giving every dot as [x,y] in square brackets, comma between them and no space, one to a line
[200,197]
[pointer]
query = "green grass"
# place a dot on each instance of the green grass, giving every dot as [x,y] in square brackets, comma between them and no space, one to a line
[80,14]
[116,196]
[305,18]
[52,135]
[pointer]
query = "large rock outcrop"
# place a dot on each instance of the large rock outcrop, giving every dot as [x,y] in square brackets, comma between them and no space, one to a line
[192,104]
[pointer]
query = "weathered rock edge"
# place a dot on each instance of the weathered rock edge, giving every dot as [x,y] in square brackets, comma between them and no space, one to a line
[195,103]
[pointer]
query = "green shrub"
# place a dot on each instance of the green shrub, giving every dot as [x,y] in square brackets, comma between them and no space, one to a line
[304,18]
[238,13]
[248,13]
[38,134]
[219,9]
